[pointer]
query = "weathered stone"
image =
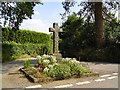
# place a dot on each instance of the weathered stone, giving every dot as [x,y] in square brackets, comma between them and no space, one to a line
[56,31]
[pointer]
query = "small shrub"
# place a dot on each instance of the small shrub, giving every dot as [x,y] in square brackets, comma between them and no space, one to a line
[60,71]
[46,60]
[26,64]
[75,66]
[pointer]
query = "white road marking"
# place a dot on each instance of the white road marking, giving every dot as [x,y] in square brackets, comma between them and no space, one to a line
[81,83]
[36,86]
[112,77]
[115,74]
[63,86]
[99,80]
[107,75]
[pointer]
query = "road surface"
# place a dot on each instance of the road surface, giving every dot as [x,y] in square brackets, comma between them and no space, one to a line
[108,77]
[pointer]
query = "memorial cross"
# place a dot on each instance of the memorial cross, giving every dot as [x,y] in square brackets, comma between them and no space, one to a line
[56,29]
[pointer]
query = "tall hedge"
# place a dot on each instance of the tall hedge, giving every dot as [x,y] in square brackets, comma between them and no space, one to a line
[16,44]
[12,50]
[24,36]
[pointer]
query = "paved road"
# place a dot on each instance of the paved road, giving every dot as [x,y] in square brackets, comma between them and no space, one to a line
[109,79]
[14,65]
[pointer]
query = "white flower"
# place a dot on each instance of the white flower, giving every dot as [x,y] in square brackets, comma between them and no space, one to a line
[77,62]
[72,61]
[67,59]
[47,55]
[50,66]
[55,64]
[44,55]
[54,59]
[46,61]
[46,69]
[74,58]
[63,59]
[38,57]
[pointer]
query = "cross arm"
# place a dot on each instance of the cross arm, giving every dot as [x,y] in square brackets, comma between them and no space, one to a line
[51,30]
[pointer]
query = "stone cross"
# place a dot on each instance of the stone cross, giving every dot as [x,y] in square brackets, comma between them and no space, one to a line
[55,31]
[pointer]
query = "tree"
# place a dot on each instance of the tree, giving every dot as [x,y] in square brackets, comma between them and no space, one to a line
[13,13]
[66,5]
[99,24]
[78,35]
[112,29]
[95,11]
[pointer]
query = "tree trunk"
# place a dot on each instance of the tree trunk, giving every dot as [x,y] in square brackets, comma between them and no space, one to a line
[99,24]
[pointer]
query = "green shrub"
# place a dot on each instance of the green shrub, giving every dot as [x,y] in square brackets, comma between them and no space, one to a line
[106,54]
[24,36]
[60,71]
[12,50]
[46,60]
[26,64]
[75,66]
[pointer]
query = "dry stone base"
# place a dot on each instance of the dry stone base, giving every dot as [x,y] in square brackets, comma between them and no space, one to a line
[33,79]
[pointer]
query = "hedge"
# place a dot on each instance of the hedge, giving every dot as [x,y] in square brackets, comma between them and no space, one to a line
[24,36]
[107,54]
[13,50]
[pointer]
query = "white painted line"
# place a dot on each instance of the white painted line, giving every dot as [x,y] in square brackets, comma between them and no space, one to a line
[107,75]
[63,86]
[36,86]
[99,80]
[115,74]
[112,77]
[81,83]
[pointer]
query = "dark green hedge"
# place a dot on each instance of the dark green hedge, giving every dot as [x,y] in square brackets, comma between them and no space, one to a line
[24,36]
[12,50]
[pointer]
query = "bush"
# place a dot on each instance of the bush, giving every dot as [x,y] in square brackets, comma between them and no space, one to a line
[26,64]
[106,54]
[60,71]
[12,50]
[46,60]
[75,66]
[24,36]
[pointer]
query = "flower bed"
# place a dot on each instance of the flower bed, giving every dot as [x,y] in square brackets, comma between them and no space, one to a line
[47,69]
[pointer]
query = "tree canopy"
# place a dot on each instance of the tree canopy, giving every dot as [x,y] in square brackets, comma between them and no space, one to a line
[78,39]
[13,13]
[95,11]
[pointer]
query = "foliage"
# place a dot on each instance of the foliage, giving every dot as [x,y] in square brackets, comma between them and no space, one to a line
[60,71]
[67,5]
[13,13]
[66,68]
[75,66]
[26,64]
[25,36]
[87,8]
[78,40]
[77,34]
[112,29]
[106,54]
[12,50]
[46,60]
[96,11]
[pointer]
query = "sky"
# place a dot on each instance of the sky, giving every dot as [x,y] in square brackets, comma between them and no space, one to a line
[45,15]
